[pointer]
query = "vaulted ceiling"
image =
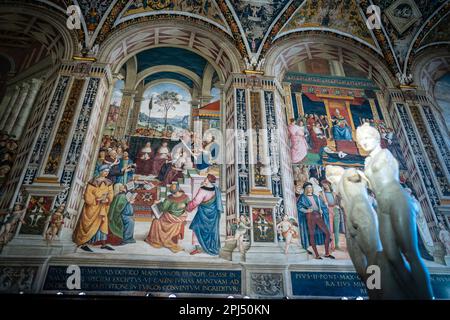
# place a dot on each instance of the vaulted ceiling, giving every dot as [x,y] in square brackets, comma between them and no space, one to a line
[408,26]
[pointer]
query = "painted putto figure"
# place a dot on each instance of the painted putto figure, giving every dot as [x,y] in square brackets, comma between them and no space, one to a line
[241,229]
[56,223]
[288,230]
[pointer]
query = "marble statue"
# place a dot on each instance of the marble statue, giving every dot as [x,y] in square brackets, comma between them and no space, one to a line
[396,215]
[362,236]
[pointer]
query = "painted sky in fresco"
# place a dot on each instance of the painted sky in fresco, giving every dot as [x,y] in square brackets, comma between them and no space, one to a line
[183,109]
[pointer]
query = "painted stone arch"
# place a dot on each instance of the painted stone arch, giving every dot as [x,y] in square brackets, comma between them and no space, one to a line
[148,129]
[431,70]
[429,65]
[214,47]
[291,49]
[323,111]
[49,25]
[10,61]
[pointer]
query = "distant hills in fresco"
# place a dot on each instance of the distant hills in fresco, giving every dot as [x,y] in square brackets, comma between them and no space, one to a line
[180,122]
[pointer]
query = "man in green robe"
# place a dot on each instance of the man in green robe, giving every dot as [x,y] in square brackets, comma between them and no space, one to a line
[169,228]
[121,219]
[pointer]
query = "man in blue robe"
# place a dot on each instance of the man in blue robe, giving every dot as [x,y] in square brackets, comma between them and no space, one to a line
[205,224]
[313,221]
[341,129]
[126,168]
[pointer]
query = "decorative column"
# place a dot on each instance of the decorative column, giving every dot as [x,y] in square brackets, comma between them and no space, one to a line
[260,108]
[10,106]
[288,98]
[133,123]
[6,99]
[421,172]
[124,115]
[17,107]
[26,109]
[63,152]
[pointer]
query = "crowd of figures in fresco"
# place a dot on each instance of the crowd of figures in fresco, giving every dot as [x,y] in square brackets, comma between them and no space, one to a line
[8,151]
[148,183]
[312,134]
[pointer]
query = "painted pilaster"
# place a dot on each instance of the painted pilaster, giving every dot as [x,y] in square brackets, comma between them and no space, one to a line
[75,114]
[419,169]
[26,109]
[125,108]
[10,106]
[135,114]
[5,101]
[17,108]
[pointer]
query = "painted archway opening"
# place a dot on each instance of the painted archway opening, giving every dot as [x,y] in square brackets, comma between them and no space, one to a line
[162,143]
[332,90]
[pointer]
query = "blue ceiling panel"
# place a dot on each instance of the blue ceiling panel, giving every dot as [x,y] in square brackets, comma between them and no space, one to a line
[169,75]
[171,56]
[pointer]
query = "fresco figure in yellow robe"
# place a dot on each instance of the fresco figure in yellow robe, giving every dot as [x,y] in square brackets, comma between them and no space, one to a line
[92,227]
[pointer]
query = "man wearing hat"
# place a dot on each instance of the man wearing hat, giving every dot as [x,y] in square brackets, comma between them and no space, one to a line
[92,227]
[313,219]
[168,230]
[205,224]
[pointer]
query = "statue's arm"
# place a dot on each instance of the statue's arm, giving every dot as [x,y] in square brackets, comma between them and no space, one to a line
[383,159]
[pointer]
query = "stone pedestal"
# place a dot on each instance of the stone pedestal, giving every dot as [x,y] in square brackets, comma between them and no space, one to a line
[35,244]
[439,253]
[447,260]
[269,248]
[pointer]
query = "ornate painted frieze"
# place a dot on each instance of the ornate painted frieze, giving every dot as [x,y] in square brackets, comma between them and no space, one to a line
[63,131]
[331,81]
[440,174]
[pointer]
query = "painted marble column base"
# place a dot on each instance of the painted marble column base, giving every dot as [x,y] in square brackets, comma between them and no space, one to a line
[439,253]
[447,260]
[262,254]
[38,247]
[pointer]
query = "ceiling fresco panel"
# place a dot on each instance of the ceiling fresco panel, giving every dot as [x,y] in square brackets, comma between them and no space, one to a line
[206,9]
[256,16]
[343,16]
